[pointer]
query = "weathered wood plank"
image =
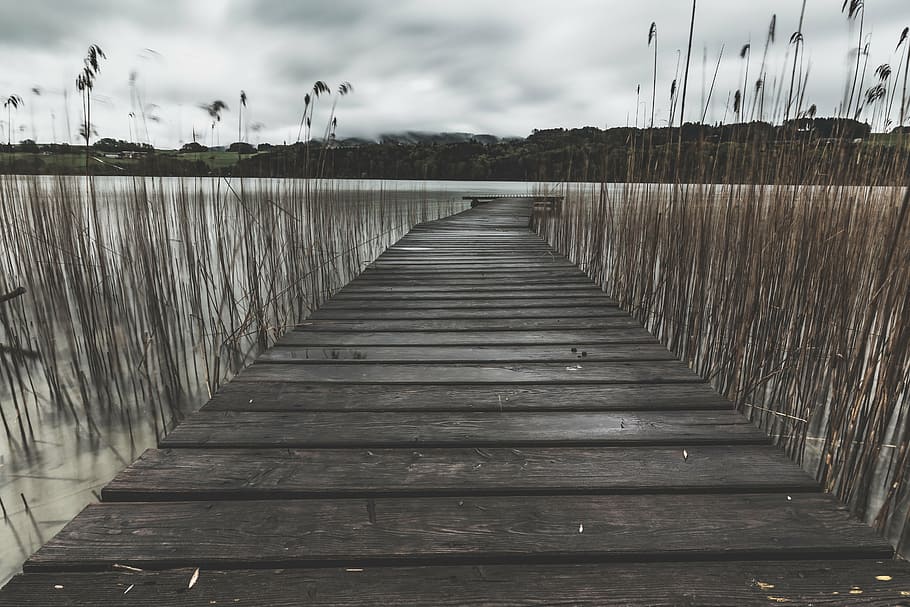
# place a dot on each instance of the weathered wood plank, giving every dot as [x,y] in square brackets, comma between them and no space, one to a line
[472,324]
[582,371]
[449,292]
[468,354]
[467,278]
[194,474]
[353,532]
[389,313]
[528,264]
[440,274]
[519,305]
[422,260]
[854,583]
[239,395]
[467,338]
[241,429]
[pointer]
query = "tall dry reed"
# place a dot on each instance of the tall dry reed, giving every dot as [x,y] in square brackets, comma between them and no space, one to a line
[144,295]
[792,299]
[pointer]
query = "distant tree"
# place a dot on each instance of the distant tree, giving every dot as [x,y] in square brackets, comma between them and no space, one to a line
[193,147]
[241,147]
[29,145]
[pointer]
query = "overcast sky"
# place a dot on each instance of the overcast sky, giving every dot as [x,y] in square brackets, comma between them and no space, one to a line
[483,66]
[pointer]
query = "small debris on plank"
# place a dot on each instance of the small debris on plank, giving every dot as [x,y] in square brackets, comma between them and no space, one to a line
[193,579]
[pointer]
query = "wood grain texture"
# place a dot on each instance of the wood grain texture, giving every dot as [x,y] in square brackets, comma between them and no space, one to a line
[488,281]
[193,474]
[847,583]
[378,312]
[441,275]
[344,430]
[353,532]
[483,290]
[580,371]
[314,337]
[518,304]
[240,395]
[473,324]
[518,266]
[466,354]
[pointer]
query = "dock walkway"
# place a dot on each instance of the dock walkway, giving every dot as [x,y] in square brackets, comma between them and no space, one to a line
[470,421]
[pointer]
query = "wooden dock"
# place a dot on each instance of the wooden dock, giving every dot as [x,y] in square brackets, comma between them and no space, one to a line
[471,421]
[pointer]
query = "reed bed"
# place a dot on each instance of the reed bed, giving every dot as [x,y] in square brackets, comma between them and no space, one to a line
[789,293]
[144,295]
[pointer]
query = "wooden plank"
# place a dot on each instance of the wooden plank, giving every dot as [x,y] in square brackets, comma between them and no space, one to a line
[525,529]
[456,273]
[193,474]
[473,324]
[468,354]
[501,283]
[663,372]
[857,583]
[461,303]
[516,264]
[360,291]
[241,429]
[506,276]
[391,313]
[428,255]
[240,395]
[313,337]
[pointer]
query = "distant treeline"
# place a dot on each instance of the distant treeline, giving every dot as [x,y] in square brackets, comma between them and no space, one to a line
[737,152]
[825,145]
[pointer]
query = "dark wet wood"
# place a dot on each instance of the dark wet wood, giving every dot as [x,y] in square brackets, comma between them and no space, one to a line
[571,338]
[502,293]
[241,395]
[472,404]
[468,354]
[405,429]
[580,371]
[515,304]
[853,583]
[473,324]
[449,314]
[198,474]
[502,529]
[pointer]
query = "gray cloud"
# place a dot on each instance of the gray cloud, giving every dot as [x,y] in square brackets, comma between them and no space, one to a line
[504,67]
